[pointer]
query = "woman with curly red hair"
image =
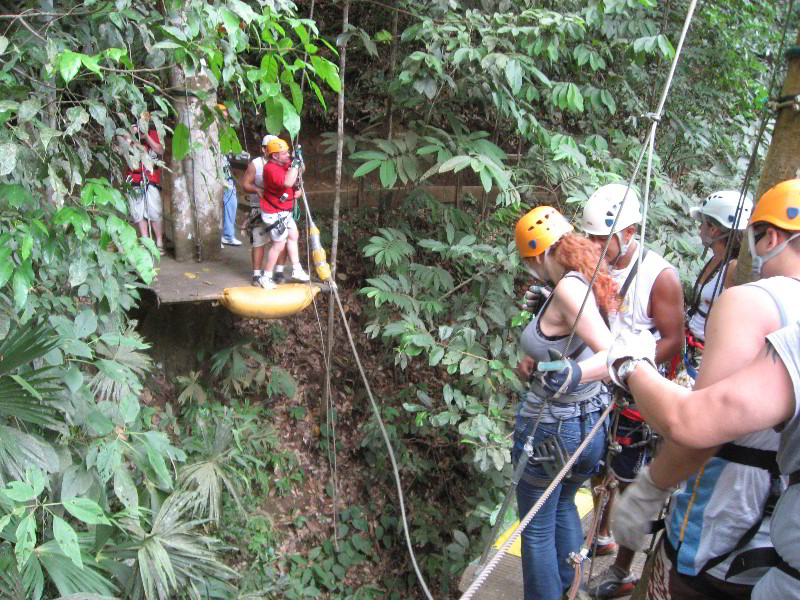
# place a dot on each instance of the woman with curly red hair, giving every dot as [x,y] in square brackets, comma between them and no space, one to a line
[553,254]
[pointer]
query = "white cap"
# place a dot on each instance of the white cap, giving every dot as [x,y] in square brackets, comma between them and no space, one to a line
[602,207]
[721,207]
[267,138]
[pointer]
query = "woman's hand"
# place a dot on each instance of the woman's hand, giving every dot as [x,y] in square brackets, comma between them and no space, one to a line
[525,368]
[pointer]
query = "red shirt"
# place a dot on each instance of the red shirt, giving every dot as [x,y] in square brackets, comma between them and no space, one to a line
[274,176]
[136,174]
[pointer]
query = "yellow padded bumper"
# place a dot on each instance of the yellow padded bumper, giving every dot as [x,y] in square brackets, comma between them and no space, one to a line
[258,303]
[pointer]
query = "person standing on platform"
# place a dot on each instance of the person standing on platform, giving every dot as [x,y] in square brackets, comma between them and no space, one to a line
[277,200]
[145,199]
[253,184]
[229,200]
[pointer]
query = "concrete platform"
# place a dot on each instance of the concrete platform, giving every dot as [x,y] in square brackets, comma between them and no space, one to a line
[192,281]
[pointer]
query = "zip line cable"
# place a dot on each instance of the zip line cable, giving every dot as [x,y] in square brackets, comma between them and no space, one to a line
[751,163]
[647,148]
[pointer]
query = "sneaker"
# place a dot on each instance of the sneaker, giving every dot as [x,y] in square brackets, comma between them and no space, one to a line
[299,275]
[605,545]
[231,242]
[611,583]
[279,277]
[266,282]
[255,281]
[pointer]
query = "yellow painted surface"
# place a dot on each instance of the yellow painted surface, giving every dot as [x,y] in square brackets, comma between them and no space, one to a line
[583,500]
[286,299]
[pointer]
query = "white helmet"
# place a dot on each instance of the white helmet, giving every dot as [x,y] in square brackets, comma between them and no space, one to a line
[721,207]
[602,207]
[267,139]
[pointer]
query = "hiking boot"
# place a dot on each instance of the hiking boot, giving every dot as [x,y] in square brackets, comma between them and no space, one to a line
[267,282]
[611,583]
[279,277]
[605,545]
[299,275]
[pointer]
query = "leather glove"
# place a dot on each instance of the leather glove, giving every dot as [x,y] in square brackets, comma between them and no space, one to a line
[630,345]
[560,375]
[535,297]
[636,508]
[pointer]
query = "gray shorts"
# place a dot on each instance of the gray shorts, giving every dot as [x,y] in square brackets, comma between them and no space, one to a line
[145,203]
[278,232]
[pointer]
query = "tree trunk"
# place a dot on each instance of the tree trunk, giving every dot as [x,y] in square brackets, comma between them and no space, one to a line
[392,65]
[196,186]
[783,157]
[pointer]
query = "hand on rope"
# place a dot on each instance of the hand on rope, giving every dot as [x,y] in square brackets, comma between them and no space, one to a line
[534,297]
[560,375]
[628,349]
[636,509]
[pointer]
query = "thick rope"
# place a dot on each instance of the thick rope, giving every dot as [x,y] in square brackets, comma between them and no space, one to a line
[388,443]
[490,566]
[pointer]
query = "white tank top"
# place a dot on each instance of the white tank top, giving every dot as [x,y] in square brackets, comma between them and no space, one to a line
[729,498]
[255,199]
[697,322]
[636,315]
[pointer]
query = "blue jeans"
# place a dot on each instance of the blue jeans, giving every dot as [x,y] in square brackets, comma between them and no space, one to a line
[229,211]
[555,531]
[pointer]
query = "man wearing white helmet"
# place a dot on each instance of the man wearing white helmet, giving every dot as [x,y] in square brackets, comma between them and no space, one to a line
[253,184]
[658,307]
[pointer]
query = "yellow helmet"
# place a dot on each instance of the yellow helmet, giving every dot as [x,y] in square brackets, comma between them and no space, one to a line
[277,145]
[539,229]
[780,206]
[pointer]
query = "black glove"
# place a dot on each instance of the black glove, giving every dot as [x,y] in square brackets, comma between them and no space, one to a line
[559,376]
[535,297]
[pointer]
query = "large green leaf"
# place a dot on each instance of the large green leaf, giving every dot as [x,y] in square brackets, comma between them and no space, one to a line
[180,142]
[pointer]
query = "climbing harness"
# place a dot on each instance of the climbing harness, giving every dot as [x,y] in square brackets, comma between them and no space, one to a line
[647,148]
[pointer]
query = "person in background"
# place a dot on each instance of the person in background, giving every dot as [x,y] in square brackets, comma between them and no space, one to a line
[277,201]
[554,255]
[717,217]
[145,199]
[229,200]
[253,184]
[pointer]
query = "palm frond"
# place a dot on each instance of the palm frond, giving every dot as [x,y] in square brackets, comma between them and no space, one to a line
[20,450]
[24,343]
[122,362]
[175,557]
[11,583]
[68,577]
[31,397]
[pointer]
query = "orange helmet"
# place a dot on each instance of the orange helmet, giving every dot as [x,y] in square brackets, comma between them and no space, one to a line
[539,229]
[277,145]
[780,206]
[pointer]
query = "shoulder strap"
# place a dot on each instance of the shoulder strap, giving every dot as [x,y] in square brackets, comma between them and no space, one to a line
[629,279]
[778,304]
[697,290]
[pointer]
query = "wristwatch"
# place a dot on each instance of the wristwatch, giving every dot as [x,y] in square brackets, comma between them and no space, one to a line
[627,368]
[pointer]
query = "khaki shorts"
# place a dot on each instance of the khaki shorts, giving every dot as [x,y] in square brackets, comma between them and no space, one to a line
[145,203]
[259,236]
[279,232]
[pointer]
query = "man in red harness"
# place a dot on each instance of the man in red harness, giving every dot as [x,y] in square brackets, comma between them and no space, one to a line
[277,201]
[145,200]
